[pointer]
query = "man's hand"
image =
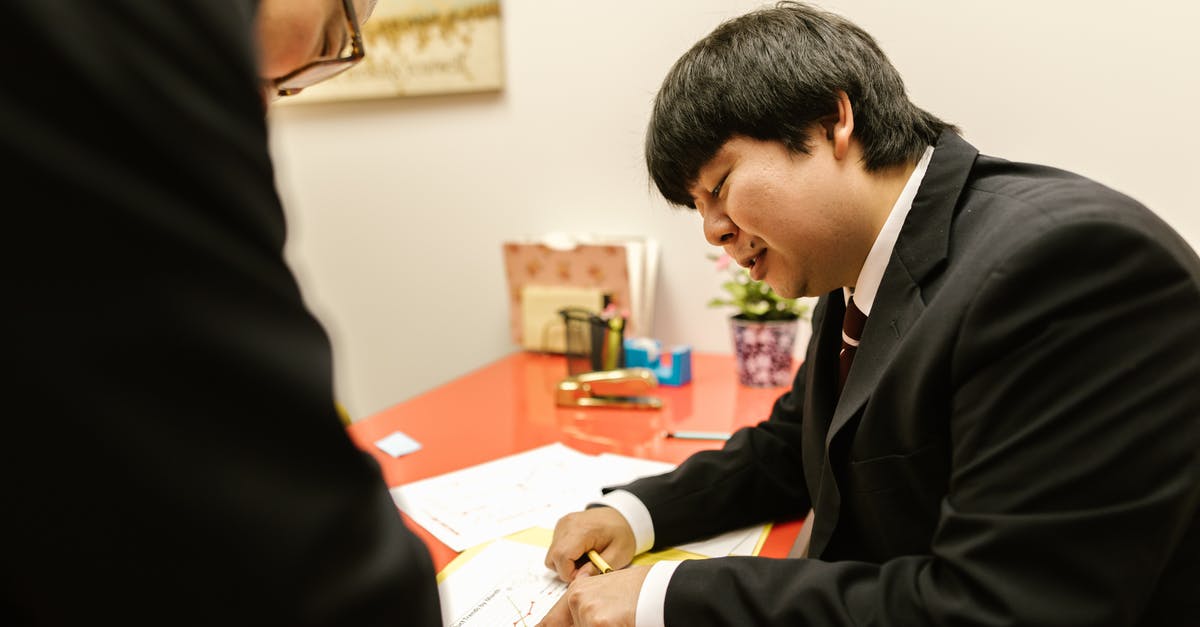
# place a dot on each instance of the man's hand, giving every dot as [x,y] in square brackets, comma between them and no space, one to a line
[601,528]
[609,600]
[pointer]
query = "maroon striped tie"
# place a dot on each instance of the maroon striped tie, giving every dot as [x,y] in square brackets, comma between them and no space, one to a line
[852,328]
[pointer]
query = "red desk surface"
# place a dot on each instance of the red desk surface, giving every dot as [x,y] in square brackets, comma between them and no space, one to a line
[508,406]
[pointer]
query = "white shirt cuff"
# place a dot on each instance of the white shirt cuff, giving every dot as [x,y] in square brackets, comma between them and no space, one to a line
[635,513]
[652,599]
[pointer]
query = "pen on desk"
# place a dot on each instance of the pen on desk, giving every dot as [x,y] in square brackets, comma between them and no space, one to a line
[599,562]
[698,435]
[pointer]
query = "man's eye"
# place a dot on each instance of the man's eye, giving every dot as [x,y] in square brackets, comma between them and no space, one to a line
[716,191]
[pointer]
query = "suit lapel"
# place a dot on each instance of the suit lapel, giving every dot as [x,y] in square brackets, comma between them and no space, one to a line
[921,248]
[898,304]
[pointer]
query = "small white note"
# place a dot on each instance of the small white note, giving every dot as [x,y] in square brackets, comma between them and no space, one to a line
[398,444]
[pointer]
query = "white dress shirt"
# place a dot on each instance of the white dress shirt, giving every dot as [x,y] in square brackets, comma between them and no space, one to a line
[652,596]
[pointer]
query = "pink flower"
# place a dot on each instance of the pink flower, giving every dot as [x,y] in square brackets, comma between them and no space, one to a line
[723,262]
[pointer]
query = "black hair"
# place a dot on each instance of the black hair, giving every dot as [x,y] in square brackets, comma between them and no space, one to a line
[770,75]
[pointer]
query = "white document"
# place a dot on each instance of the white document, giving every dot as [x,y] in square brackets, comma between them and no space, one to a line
[532,489]
[504,583]
[641,259]
[751,543]
[736,542]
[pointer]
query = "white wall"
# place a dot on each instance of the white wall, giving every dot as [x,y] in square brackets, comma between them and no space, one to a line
[398,207]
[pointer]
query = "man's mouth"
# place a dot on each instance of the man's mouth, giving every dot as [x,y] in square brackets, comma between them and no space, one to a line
[756,267]
[749,263]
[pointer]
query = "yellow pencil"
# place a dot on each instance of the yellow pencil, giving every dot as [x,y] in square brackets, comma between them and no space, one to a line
[599,562]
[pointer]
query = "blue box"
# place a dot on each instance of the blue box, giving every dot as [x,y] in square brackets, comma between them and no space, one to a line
[647,353]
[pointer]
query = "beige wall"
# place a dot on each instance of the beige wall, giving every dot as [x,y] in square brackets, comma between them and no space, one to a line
[398,207]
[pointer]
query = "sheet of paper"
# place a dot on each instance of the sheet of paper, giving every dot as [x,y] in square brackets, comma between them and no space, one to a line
[737,542]
[534,488]
[504,583]
[752,543]
[649,286]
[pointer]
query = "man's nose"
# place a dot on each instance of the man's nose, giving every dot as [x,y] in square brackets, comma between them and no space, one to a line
[719,230]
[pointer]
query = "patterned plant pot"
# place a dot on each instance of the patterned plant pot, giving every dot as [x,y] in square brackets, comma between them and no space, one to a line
[764,351]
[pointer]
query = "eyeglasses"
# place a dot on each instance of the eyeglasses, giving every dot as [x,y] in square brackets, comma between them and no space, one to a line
[325,68]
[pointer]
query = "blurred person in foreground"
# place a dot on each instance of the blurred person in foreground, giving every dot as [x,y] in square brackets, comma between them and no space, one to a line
[1012,437]
[173,452]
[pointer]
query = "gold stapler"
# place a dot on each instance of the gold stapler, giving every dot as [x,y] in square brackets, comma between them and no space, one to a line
[624,387]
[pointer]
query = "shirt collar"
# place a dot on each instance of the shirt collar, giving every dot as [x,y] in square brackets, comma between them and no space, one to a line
[871,274]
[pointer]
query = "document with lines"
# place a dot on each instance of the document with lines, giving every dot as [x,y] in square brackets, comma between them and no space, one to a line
[502,582]
[505,581]
[535,488]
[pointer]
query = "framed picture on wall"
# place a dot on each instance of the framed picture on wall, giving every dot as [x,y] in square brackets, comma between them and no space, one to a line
[421,47]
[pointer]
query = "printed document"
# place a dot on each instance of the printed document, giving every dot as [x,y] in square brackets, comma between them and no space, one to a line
[535,488]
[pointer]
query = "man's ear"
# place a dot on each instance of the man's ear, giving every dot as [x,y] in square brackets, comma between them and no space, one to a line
[838,127]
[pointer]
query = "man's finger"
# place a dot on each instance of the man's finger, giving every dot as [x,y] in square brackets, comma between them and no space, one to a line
[562,563]
[584,568]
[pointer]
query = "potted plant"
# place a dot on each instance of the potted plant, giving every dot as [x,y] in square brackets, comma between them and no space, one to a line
[763,329]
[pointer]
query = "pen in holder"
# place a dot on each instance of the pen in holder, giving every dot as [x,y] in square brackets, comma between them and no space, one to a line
[593,342]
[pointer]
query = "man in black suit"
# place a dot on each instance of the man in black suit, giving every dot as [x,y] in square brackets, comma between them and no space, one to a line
[172,452]
[1012,437]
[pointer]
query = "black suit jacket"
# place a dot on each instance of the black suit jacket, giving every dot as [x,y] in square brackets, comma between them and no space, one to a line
[171,451]
[1018,441]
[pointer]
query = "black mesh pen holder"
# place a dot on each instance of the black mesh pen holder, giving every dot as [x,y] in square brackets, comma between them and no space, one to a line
[592,342]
